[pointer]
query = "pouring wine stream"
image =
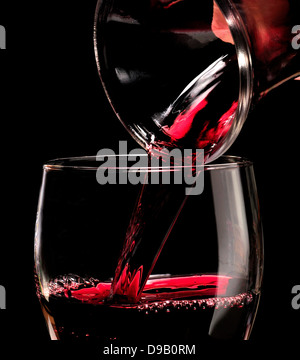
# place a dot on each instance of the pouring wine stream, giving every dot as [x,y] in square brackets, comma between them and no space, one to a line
[161,204]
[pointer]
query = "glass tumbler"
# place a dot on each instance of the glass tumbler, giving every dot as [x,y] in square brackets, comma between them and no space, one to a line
[129,261]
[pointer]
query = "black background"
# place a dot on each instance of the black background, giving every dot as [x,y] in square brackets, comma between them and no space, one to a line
[52,105]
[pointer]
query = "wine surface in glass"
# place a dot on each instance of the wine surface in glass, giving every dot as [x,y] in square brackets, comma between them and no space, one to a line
[182,309]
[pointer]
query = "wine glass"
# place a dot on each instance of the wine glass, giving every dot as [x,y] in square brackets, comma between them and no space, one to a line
[144,263]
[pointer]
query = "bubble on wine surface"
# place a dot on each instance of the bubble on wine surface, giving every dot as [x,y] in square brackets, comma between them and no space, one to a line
[166,301]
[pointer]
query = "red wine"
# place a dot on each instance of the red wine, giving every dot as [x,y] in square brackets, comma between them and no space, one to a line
[183,309]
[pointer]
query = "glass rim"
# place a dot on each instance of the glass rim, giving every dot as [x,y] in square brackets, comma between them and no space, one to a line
[85,163]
